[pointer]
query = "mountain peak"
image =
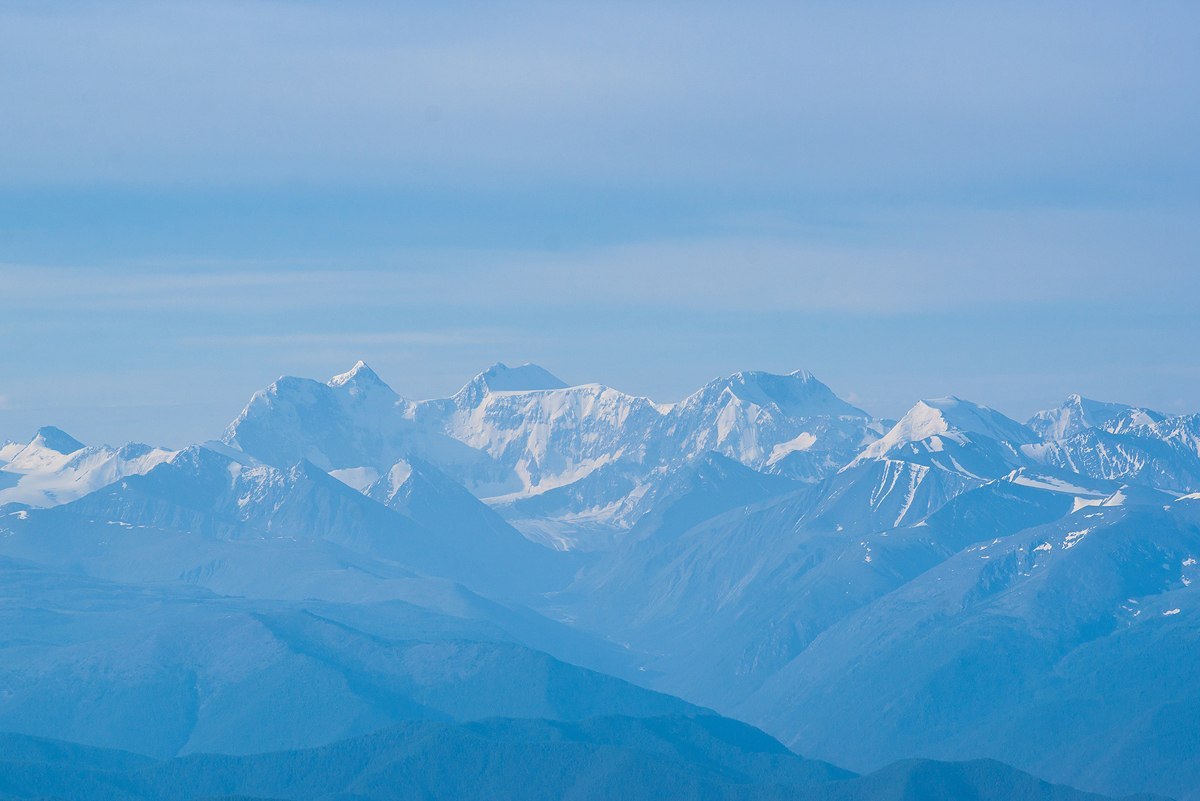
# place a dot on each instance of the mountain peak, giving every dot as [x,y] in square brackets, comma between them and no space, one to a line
[952,413]
[360,374]
[56,440]
[1077,414]
[502,378]
[950,418]
[798,393]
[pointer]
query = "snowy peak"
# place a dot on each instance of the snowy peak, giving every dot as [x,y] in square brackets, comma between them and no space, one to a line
[352,420]
[360,368]
[359,378]
[50,449]
[1120,442]
[790,424]
[524,378]
[502,378]
[934,429]
[55,467]
[55,439]
[384,488]
[1077,414]
[953,416]
[797,394]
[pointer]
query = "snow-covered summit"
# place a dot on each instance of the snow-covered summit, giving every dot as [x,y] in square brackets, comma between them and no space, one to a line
[55,439]
[791,424]
[360,376]
[523,378]
[352,420]
[796,394]
[955,434]
[1077,414]
[49,447]
[1120,442]
[953,418]
[502,378]
[514,432]
[55,468]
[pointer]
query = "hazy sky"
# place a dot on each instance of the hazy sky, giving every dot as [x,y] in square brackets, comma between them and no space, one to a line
[995,200]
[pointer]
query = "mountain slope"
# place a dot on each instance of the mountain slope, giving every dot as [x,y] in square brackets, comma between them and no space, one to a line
[1003,649]
[439,529]
[164,669]
[953,585]
[728,580]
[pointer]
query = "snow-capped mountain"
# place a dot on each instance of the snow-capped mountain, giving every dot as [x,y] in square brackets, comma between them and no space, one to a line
[1005,648]
[1120,442]
[1077,414]
[502,378]
[543,432]
[760,547]
[790,424]
[939,449]
[54,467]
[352,421]
[955,435]
[512,434]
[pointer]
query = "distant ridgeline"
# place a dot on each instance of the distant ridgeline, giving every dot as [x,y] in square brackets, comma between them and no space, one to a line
[543,591]
[599,759]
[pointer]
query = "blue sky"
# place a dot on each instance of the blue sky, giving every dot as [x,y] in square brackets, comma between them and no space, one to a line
[909,199]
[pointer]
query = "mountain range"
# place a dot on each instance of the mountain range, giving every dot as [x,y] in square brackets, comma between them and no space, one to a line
[534,570]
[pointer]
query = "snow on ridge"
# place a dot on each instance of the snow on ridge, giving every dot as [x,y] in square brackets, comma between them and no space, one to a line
[799,443]
[1023,477]
[360,371]
[41,475]
[514,432]
[517,432]
[1073,415]
[937,421]
[798,393]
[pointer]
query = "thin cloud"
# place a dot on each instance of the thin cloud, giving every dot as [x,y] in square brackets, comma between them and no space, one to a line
[904,263]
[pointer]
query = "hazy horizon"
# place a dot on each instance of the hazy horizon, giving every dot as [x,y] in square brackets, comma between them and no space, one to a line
[909,201]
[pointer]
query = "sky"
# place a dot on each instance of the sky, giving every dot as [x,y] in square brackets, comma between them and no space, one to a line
[996,201]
